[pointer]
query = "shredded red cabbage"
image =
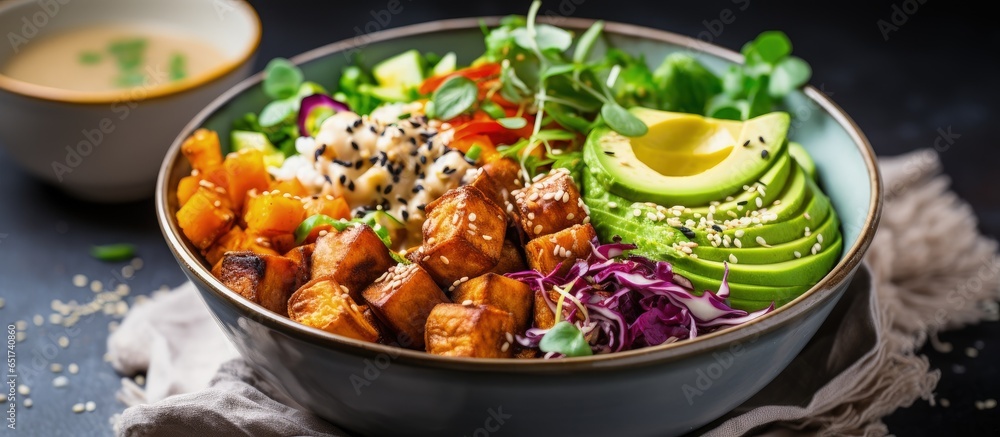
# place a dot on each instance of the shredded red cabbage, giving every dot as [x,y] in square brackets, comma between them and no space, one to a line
[630,302]
[314,109]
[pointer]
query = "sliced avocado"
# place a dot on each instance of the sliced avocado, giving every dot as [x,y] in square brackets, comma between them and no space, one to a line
[802,157]
[242,139]
[403,71]
[686,159]
[446,65]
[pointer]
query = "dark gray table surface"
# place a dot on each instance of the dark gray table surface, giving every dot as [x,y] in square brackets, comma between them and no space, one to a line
[936,70]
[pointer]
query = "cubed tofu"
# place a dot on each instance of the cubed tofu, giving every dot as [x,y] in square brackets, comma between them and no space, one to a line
[267,280]
[490,187]
[325,304]
[566,246]
[354,257]
[511,259]
[506,172]
[480,331]
[402,299]
[502,292]
[463,235]
[302,255]
[550,205]
[233,240]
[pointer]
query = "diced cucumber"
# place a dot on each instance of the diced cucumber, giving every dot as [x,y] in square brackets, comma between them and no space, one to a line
[403,71]
[386,93]
[446,65]
[242,139]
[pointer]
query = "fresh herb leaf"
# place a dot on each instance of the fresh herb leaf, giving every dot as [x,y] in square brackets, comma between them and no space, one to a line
[178,67]
[768,48]
[281,79]
[685,85]
[473,154]
[455,96]
[547,37]
[565,338]
[790,74]
[512,122]
[113,252]
[622,121]
[586,42]
[557,70]
[278,111]
[492,109]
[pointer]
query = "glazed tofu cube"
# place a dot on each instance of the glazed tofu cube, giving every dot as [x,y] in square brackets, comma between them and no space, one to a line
[325,304]
[502,292]
[490,187]
[549,205]
[354,257]
[267,280]
[480,331]
[463,235]
[506,174]
[401,299]
[566,246]
[511,259]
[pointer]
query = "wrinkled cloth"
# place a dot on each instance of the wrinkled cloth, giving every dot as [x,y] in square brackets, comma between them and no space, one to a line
[930,271]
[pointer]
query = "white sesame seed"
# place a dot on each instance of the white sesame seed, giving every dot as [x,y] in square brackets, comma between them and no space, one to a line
[38,320]
[738,243]
[760,240]
[732,259]
[20,336]
[63,342]
[538,229]
[740,233]
[759,202]
[505,347]
[971,352]
[944,402]
[806,215]
[91,406]
[797,254]
[78,408]
[128,271]
[637,212]
[80,280]
[96,286]
[472,216]
[55,367]
[612,205]
[467,302]
[137,263]
[73,368]
[570,216]
[444,259]
[60,381]
[23,390]
[139,379]
[487,237]
[509,336]
[819,238]
[28,403]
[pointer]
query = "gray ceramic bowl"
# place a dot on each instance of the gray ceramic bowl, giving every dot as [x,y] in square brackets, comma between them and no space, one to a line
[664,390]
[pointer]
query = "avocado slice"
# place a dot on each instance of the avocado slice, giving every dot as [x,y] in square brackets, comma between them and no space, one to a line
[769,202]
[403,71]
[803,159]
[686,159]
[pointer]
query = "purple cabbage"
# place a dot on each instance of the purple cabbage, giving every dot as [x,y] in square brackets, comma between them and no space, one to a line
[631,302]
[314,109]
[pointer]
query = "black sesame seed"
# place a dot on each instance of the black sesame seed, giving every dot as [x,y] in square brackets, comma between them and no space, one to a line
[354,145]
[423,159]
[764,154]
[746,144]
[357,122]
[421,207]
[717,228]
[449,170]
[388,189]
[350,185]
[687,232]
[401,200]
[358,164]
[350,130]
[609,153]
[378,187]
[343,163]
[761,140]
[413,141]
[414,152]
[418,188]
[406,215]
[327,178]
[741,203]
[372,128]
[373,160]
[422,175]
[395,179]
[343,179]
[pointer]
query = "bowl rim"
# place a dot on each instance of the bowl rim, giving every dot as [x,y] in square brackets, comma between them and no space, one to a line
[59,95]
[821,292]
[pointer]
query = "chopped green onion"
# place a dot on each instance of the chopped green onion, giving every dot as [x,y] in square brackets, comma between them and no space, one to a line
[90,58]
[178,67]
[473,154]
[113,252]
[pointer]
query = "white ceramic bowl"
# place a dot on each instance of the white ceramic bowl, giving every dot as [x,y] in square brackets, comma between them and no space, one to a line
[108,146]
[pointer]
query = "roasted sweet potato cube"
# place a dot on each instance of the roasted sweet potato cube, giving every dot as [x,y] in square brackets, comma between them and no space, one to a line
[502,292]
[245,171]
[204,218]
[274,213]
[463,235]
[481,331]
[234,240]
[544,314]
[326,305]
[511,259]
[334,207]
[302,255]
[402,298]
[258,243]
[354,257]
[186,187]
[267,280]
[566,246]
[290,186]
[549,205]
[202,150]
